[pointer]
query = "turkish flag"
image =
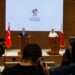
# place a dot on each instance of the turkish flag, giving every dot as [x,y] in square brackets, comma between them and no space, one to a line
[61,36]
[8,41]
[62,40]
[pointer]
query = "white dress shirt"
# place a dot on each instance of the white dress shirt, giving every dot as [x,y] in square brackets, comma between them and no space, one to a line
[53,34]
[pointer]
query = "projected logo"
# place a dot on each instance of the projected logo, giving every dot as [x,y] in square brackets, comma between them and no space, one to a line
[35,15]
[34,12]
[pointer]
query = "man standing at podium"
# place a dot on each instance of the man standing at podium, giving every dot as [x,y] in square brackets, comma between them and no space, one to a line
[24,39]
[23,32]
[53,42]
[53,33]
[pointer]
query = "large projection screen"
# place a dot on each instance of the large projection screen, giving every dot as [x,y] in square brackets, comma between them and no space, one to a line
[34,15]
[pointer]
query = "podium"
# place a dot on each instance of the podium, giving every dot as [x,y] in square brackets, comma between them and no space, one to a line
[54,43]
[23,40]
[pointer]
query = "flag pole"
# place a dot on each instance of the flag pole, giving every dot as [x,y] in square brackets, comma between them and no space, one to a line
[5,54]
[62,43]
[8,42]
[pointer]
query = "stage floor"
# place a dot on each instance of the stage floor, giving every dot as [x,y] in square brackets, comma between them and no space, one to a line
[14,52]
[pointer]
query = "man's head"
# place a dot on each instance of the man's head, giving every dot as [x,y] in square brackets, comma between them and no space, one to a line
[52,30]
[23,29]
[32,51]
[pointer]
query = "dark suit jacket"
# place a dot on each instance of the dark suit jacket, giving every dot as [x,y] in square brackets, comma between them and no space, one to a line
[63,70]
[25,33]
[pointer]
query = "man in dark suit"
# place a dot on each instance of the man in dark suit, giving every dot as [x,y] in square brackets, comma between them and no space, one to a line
[68,69]
[23,32]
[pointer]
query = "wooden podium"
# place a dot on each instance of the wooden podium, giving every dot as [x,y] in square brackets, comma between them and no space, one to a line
[23,40]
[54,43]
